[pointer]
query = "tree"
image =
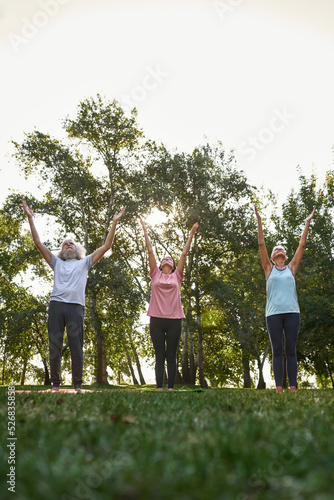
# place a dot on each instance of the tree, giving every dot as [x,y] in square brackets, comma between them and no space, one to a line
[22,315]
[23,332]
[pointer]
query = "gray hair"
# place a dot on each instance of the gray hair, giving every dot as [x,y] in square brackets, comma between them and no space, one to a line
[80,251]
[278,246]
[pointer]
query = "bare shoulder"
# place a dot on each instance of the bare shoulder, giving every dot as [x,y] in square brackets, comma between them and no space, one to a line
[268,270]
[292,268]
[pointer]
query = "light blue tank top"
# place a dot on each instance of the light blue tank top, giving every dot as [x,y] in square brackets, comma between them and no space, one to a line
[281,292]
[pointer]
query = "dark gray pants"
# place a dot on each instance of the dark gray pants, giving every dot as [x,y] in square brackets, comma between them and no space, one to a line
[165,334]
[288,322]
[71,316]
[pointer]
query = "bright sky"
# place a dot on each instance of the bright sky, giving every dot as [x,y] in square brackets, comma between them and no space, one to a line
[257,75]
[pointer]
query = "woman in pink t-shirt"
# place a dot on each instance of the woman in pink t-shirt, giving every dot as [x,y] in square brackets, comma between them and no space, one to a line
[165,309]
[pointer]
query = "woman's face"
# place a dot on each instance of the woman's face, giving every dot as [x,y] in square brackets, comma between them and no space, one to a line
[167,265]
[277,252]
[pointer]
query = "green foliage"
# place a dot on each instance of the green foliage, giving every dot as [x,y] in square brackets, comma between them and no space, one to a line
[23,331]
[105,126]
[222,360]
[22,314]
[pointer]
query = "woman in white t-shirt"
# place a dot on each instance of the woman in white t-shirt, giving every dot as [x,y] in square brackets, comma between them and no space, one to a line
[165,308]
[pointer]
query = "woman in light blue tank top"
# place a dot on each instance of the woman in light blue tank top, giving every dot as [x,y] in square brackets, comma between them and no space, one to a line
[282,309]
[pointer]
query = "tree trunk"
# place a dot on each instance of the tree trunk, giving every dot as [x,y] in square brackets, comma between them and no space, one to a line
[189,366]
[4,365]
[192,362]
[185,354]
[178,378]
[47,380]
[39,344]
[202,380]
[329,370]
[140,373]
[261,383]
[201,374]
[246,369]
[134,379]
[101,376]
[25,364]
[138,365]
[119,374]
[188,352]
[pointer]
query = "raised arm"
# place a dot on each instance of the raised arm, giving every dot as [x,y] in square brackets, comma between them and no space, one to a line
[151,257]
[182,261]
[96,256]
[300,250]
[46,253]
[267,265]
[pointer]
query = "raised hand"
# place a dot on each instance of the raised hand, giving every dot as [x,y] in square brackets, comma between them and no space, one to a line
[310,216]
[118,215]
[300,250]
[257,212]
[151,257]
[194,228]
[28,210]
[46,253]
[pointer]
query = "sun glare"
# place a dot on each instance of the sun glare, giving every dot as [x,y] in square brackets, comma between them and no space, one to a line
[156,217]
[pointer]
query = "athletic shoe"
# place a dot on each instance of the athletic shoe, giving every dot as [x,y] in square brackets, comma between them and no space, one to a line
[55,388]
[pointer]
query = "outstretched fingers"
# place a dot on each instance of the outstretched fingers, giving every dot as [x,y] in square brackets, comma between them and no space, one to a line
[311,215]
[118,215]
[195,227]
[257,212]
[28,210]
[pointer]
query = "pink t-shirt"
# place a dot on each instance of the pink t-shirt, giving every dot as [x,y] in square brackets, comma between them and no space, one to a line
[165,295]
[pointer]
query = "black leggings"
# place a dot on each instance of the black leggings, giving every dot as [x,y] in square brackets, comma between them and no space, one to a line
[288,322]
[165,332]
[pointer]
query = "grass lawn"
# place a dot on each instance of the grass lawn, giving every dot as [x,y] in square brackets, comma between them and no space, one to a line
[134,443]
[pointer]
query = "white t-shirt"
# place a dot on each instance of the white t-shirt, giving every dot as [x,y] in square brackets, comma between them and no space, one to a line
[70,278]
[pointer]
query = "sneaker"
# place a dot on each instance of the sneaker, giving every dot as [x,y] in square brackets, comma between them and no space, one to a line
[55,388]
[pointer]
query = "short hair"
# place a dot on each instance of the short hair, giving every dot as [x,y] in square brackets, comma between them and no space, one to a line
[174,265]
[278,246]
